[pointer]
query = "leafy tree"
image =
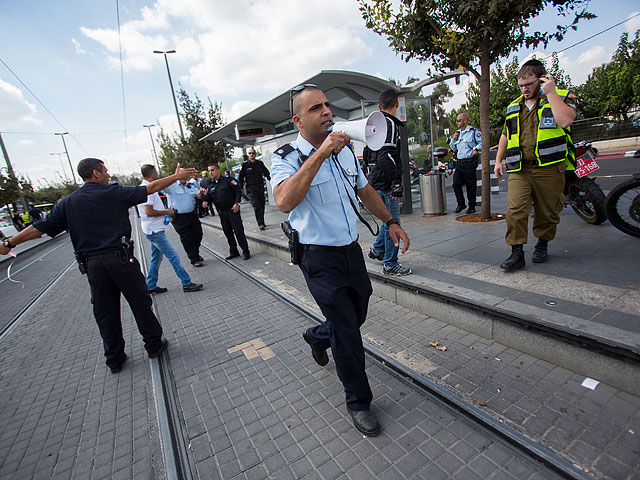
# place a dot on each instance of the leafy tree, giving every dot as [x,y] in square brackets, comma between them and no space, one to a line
[53,193]
[199,121]
[469,33]
[614,88]
[9,189]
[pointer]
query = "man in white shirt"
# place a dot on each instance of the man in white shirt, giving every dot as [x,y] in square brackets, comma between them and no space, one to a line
[155,221]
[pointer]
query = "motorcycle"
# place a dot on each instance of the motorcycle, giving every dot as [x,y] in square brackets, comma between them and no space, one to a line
[582,193]
[623,206]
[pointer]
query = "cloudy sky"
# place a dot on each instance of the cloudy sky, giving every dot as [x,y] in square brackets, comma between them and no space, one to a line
[60,67]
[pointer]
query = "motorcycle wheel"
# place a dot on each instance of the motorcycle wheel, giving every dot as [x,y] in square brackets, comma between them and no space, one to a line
[623,207]
[587,200]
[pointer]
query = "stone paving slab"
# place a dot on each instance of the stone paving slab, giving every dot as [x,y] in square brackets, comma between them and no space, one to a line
[64,415]
[597,430]
[283,416]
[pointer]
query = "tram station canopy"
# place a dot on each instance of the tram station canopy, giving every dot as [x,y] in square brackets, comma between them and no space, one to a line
[344,89]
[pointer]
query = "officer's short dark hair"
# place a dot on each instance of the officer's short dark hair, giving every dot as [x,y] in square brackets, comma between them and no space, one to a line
[215,165]
[388,98]
[86,166]
[146,170]
[532,67]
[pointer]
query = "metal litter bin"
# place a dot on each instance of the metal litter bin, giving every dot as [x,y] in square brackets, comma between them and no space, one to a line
[432,194]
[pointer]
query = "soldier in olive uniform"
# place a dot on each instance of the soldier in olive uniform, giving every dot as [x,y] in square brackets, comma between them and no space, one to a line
[537,149]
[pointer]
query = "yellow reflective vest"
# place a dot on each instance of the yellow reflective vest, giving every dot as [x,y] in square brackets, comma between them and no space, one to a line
[553,143]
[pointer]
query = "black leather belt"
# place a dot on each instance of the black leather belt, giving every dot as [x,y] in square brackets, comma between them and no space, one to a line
[344,248]
[467,159]
[106,254]
[188,213]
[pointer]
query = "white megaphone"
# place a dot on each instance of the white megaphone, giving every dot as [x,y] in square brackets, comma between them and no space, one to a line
[371,130]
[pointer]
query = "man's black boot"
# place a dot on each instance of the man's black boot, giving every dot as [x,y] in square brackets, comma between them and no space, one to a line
[540,254]
[515,261]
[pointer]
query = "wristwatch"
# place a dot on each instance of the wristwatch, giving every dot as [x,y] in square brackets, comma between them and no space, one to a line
[5,242]
[391,222]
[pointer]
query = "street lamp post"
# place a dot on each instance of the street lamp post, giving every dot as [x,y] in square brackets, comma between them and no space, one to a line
[67,152]
[155,155]
[173,93]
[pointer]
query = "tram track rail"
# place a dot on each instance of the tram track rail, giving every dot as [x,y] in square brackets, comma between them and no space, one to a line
[431,389]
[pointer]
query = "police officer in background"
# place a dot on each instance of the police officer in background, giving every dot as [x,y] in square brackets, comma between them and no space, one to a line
[224,193]
[537,148]
[466,142]
[252,176]
[315,180]
[97,218]
[183,198]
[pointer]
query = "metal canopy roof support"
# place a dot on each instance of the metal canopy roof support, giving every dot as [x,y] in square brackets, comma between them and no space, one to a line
[344,90]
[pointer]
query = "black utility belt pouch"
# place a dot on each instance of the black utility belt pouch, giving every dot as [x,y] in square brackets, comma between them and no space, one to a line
[127,249]
[82,262]
[295,249]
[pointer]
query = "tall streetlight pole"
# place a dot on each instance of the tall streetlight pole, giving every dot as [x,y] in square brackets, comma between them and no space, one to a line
[155,155]
[67,152]
[173,93]
[64,173]
[11,173]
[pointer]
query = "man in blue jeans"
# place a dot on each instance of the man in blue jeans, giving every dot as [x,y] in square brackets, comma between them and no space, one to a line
[385,176]
[155,221]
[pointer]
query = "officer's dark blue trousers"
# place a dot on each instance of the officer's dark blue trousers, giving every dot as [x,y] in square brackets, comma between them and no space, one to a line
[256,195]
[232,223]
[188,226]
[465,175]
[108,277]
[341,287]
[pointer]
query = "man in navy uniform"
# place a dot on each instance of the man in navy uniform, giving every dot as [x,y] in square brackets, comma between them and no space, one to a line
[224,193]
[97,218]
[316,181]
[182,199]
[252,175]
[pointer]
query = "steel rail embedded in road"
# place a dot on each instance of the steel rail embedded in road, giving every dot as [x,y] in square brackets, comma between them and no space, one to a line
[545,456]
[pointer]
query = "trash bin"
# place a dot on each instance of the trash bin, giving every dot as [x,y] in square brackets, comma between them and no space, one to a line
[433,194]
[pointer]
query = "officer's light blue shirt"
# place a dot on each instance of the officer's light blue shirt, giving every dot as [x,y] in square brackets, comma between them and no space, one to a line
[468,139]
[325,215]
[181,197]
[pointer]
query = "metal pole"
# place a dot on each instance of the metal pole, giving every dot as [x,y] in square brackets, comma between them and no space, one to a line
[155,155]
[64,172]
[173,93]
[67,152]
[11,173]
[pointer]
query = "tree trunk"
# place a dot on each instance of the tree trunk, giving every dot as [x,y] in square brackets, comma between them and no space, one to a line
[485,84]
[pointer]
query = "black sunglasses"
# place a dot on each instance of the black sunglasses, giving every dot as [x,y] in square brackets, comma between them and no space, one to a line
[296,90]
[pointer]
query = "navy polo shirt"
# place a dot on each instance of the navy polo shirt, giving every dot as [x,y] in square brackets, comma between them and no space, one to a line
[95,215]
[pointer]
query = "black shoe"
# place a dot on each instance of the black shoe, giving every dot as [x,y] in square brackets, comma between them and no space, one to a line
[192,287]
[471,210]
[117,368]
[263,227]
[459,208]
[365,422]
[197,263]
[319,355]
[376,256]
[541,254]
[157,290]
[163,346]
[515,261]
[246,255]
[232,255]
[200,258]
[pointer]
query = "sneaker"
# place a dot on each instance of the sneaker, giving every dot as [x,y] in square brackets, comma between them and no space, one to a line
[263,227]
[471,210]
[232,255]
[246,255]
[396,270]
[197,264]
[192,287]
[157,290]
[459,208]
[374,255]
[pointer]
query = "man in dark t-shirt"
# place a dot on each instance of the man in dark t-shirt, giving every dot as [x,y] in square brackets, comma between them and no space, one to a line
[97,218]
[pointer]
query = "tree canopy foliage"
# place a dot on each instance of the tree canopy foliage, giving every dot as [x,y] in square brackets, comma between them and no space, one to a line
[468,33]
[199,120]
[614,88]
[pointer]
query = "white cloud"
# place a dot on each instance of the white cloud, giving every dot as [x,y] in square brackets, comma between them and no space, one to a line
[239,108]
[242,46]
[24,143]
[78,47]
[15,111]
[633,24]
